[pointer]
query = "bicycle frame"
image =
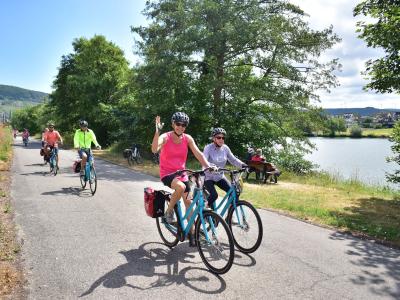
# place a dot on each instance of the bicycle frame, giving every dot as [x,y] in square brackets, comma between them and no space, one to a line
[89,162]
[231,198]
[198,206]
[52,157]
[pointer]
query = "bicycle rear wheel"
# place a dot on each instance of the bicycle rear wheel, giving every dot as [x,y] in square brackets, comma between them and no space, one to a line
[93,180]
[168,232]
[130,160]
[246,226]
[217,253]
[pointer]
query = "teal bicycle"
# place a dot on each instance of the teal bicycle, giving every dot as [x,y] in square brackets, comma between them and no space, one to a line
[53,161]
[212,236]
[241,216]
[90,172]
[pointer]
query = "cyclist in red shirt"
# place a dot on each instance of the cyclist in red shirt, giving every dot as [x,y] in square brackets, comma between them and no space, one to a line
[51,139]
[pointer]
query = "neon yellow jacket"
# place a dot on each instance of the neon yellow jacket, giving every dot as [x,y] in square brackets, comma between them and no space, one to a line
[84,139]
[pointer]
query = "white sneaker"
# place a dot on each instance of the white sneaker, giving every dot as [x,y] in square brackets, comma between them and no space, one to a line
[169,217]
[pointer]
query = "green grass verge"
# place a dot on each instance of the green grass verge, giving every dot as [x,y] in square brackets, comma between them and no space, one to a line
[5,143]
[322,199]
[366,133]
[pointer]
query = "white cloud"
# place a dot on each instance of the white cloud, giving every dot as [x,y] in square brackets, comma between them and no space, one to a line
[351,51]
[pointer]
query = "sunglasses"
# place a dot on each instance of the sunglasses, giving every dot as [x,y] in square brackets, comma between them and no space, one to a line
[51,126]
[220,137]
[181,124]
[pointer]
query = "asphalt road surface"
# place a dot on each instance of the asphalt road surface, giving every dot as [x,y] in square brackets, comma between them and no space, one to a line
[105,247]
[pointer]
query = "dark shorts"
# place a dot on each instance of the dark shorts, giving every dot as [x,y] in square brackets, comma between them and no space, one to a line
[87,151]
[167,180]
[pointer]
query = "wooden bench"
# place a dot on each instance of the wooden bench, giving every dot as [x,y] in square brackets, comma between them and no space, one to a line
[266,169]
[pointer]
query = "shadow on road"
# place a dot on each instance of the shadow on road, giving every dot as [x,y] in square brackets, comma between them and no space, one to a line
[70,191]
[35,165]
[243,259]
[43,173]
[377,262]
[31,145]
[144,261]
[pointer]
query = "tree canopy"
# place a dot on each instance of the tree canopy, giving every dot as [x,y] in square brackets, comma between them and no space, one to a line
[381,31]
[88,85]
[249,66]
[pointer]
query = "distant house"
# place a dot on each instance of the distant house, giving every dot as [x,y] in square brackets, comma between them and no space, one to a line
[387,119]
[350,119]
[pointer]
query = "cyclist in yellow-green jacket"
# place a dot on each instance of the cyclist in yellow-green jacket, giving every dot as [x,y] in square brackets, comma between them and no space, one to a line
[83,139]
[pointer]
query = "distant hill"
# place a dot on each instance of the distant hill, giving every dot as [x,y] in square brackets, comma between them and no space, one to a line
[366,111]
[13,93]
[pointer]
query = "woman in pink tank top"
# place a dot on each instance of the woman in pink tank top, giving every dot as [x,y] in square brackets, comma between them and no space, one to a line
[173,147]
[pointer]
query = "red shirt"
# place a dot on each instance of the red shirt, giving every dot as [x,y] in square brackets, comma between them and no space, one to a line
[173,156]
[257,158]
[52,137]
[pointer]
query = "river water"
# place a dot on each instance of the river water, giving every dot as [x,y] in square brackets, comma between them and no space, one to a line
[363,159]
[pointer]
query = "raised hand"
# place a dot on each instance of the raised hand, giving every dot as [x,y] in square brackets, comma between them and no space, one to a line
[159,125]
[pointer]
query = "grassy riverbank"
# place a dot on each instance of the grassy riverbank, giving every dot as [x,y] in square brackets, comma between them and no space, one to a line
[367,211]
[366,133]
[10,272]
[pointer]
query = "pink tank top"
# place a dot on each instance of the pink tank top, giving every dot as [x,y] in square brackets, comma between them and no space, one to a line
[173,156]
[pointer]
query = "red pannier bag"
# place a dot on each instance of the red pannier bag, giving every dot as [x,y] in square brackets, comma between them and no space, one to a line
[154,202]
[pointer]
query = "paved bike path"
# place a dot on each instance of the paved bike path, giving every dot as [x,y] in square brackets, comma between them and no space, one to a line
[105,247]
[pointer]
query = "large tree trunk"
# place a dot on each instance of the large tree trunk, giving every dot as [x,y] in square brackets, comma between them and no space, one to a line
[217,93]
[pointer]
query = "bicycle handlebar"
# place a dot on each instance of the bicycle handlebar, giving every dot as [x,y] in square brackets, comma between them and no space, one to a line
[233,171]
[192,172]
[202,172]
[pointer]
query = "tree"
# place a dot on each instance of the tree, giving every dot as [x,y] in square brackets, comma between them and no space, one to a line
[381,31]
[355,131]
[395,139]
[90,82]
[248,66]
[28,117]
[334,125]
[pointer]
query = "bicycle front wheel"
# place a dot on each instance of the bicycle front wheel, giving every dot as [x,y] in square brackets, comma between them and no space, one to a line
[51,166]
[93,180]
[246,226]
[83,181]
[168,232]
[130,160]
[218,251]
[55,166]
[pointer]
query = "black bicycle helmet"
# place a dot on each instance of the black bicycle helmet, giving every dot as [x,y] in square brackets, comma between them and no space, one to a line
[180,117]
[83,123]
[218,130]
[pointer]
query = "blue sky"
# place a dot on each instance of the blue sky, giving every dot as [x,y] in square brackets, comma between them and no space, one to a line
[35,34]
